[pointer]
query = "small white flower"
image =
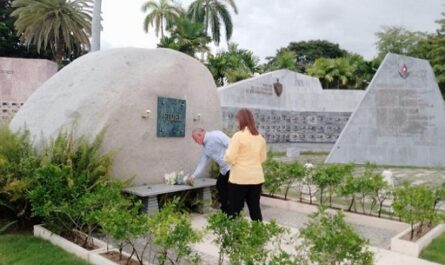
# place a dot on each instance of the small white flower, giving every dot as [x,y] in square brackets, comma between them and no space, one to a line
[308,166]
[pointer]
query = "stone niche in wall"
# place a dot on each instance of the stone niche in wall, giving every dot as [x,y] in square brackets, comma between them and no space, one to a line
[290,107]
[292,126]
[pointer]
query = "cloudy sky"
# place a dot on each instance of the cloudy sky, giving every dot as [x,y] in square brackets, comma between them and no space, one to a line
[263,26]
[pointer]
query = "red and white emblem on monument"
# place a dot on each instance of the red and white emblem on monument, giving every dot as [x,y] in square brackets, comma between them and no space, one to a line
[278,87]
[403,71]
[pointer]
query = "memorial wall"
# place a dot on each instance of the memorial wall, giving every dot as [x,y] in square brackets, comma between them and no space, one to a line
[400,121]
[290,107]
[19,78]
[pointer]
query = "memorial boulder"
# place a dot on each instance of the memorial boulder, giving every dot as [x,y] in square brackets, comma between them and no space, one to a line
[149,101]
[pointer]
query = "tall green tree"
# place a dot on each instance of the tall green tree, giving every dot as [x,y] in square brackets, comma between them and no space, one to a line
[62,25]
[437,53]
[333,73]
[284,59]
[187,37]
[396,39]
[309,51]
[213,13]
[232,65]
[162,15]
[10,44]
[351,72]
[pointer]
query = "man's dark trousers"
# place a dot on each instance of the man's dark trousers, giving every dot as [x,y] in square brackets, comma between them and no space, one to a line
[223,191]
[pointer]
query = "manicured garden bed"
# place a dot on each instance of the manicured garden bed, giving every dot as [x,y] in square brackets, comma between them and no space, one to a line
[29,250]
[435,251]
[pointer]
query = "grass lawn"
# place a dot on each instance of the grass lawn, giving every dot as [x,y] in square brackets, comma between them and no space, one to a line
[435,251]
[29,250]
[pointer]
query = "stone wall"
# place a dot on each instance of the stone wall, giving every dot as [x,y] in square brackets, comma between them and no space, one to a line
[279,126]
[400,121]
[19,78]
[290,107]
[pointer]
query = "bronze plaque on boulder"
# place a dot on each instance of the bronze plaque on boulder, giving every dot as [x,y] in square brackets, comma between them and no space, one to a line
[171,117]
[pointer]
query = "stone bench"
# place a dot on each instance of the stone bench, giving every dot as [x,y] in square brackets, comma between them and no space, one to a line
[149,194]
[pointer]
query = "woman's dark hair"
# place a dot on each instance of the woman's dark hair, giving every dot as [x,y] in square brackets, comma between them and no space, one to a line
[245,119]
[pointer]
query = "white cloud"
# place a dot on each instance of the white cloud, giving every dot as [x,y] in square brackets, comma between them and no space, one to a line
[263,26]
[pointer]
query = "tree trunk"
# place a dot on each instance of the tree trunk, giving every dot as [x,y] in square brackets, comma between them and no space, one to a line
[96,26]
[352,203]
[59,50]
[380,208]
[330,197]
[162,27]
[310,194]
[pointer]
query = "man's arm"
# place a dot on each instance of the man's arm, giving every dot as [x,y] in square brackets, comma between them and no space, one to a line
[201,165]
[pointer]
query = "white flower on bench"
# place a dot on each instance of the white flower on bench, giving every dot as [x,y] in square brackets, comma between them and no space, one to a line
[177,178]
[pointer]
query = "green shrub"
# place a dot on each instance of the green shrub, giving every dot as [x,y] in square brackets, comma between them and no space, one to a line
[274,174]
[349,189]
[330,177]
[71,176]
[279,175]
[124,224]
[244,241]
[415,205]
[18,162]
[329,240]
[172,233]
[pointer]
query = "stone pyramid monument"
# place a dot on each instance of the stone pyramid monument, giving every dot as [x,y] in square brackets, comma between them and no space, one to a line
[400,120]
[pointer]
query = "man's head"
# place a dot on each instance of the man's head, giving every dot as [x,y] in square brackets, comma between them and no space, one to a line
[198,135]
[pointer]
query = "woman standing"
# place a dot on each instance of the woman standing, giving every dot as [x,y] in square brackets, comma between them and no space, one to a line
[245,153]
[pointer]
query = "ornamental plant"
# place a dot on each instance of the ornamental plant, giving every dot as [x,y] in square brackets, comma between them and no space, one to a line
[328,177]
[415,205]
[381,191]
[244,241]
[349,189]
[64,187]
[124,225]
[365,185]
[274,174]
[329,240]
[172,233]
[294,172]
[18,163]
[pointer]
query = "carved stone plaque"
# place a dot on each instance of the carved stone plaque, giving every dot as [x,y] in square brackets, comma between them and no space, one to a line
[171,117]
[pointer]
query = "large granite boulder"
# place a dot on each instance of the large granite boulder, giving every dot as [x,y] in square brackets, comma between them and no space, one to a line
[113,89]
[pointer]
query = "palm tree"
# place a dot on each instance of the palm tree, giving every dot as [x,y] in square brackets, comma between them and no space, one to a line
[63,25]
[285,59]
[232,65]
[211,13]
[334,73]
[187,37]
[162,15]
